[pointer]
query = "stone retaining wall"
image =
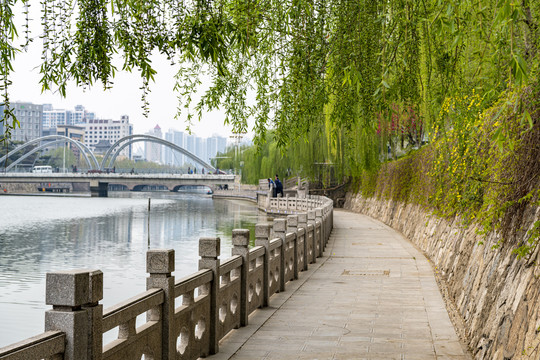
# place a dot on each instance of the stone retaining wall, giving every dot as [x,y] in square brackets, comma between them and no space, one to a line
[496,294]
[18,188]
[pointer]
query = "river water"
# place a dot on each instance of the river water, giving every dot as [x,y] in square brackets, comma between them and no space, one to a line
[40,234]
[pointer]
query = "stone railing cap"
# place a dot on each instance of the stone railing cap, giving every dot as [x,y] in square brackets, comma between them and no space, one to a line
[292,220]
[209,247]
[280,225]
[160,261]
[262,230]
[240,237]
[68,288]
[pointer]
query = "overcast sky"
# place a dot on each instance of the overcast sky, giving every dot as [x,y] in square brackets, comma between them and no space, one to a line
[123,99]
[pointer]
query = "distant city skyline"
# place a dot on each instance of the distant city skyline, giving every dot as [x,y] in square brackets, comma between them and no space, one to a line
[141,124]
[48,106]
[123,99]
[79,123]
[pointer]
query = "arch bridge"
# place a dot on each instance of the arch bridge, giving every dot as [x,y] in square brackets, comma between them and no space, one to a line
[51,140]
[98,180]
[109,157]
[114,151]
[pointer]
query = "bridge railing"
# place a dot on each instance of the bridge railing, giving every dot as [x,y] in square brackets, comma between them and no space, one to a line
[184,319]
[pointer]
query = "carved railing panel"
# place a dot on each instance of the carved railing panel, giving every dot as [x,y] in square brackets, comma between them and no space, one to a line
[133,341]
[228,298]
[191,316]
[300,256]
[274,262]
[255,281]
[289,256]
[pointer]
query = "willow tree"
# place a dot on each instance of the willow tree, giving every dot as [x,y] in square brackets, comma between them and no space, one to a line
[81,38]
[363,75]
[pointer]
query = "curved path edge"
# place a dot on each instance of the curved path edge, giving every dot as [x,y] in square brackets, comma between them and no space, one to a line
[372,295]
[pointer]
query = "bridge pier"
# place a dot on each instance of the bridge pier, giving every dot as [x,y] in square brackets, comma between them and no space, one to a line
[99,189]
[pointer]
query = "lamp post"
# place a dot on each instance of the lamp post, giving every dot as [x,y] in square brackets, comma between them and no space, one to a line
[64,160]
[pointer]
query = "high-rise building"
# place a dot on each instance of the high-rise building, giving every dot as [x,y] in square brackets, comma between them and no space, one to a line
[204,148]
[170,156]
[30,118]
[221,144]
[72,132]
[81,115]
[54,117]
[211,149]
[190,144]
[152,151]
[200,148]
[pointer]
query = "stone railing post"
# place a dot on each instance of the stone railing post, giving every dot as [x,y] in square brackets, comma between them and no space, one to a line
[322,236]
[95,315]
[209,249]
[311,220]
[292,227]
[160,265]
[240,241]
[269,196]
[302,223]
[280,225]
[262,238]
[67,292]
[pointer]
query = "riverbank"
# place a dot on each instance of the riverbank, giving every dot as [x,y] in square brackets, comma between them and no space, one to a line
[41,234]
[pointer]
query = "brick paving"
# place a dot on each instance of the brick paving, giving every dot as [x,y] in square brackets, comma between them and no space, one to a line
[372,295]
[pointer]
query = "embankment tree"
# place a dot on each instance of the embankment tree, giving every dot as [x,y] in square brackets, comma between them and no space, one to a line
[367,76]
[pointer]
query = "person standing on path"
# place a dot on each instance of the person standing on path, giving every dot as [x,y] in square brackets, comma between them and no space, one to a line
[279,187]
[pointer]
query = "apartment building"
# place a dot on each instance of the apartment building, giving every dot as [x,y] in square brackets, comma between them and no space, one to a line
[107,130]
[29,116]
[54,117]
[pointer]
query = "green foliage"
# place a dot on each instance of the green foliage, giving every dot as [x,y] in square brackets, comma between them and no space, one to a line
[362,77]
[527,249]
[483,166]
[55,158]
[306,158]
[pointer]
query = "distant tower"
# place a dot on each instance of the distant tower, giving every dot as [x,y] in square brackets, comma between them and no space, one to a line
[173,157]
[152,151]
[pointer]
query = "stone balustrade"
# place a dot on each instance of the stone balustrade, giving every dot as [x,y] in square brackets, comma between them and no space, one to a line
[185,318]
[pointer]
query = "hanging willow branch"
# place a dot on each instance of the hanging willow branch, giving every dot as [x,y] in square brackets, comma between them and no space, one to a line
[332,67]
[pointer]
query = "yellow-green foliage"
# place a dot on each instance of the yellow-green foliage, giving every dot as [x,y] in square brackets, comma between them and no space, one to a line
[483,165]
[459,161]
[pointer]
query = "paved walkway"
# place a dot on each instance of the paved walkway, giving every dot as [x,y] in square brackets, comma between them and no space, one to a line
[371,296]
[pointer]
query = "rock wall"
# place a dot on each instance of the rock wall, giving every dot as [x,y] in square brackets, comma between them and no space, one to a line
[18,188]
[496,294]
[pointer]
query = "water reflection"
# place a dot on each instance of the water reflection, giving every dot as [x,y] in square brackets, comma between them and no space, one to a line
[39,235]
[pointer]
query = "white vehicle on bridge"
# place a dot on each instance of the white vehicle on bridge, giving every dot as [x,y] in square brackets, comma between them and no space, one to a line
[42,169]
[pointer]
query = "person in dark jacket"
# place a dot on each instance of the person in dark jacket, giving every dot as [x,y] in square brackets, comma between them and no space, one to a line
[279,186]
[272,187]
